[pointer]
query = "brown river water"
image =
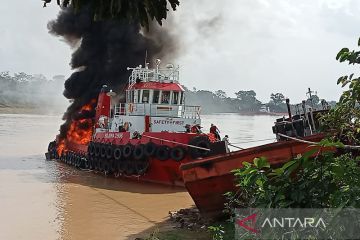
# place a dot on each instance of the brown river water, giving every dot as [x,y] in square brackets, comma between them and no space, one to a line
[48,200]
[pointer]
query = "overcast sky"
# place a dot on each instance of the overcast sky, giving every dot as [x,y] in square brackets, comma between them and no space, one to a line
[265,45]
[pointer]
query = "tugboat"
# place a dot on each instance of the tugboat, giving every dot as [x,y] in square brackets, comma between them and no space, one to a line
[145,138]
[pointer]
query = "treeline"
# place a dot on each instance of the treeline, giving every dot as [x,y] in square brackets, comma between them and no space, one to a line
[22,90]
[245,102]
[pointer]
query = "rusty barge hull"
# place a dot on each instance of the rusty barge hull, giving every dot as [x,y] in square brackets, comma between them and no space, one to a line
[209,179]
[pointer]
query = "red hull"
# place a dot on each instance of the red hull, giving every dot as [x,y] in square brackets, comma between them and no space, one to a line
[164,172]
[207,180]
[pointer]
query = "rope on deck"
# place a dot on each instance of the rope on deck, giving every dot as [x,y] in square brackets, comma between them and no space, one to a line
[315,143]
[236,146]
[184,144]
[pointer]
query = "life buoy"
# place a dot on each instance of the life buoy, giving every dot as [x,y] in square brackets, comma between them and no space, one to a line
[139,152]
[128,150]
[162,153]
[178,153]
[150,149]
[199,141]
[117,153]
[109,151]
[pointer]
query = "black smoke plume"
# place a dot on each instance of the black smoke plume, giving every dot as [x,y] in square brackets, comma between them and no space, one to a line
[103,51]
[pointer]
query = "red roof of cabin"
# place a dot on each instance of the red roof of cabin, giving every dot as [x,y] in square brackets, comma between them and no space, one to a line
[159,86]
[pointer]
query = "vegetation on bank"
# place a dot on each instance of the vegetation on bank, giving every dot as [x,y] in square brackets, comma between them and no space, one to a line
[317,179]
[31,93]
[244,102]
[34,92]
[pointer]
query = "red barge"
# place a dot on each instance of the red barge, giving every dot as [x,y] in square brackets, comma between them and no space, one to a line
[154,136]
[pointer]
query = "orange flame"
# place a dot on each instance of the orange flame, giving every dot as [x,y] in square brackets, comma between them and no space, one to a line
[80,131]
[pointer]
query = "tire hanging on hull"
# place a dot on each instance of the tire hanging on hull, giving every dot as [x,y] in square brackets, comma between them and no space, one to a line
[162,153]
[178,153]
[199,141]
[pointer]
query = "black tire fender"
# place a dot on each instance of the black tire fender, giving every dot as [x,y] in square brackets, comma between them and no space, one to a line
[162,153]
[103,149]
[150,149]
[139,152]
[109,151]
[91,149]
[128,150]
[117,153]
[178,153]
[199,141]
[97,149]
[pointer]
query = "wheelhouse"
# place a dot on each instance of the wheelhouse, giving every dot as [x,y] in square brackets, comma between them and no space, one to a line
[156,92]
[154,102]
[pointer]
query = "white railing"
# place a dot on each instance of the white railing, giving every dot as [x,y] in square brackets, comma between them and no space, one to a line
[159,110]
[165,75]
[192,112]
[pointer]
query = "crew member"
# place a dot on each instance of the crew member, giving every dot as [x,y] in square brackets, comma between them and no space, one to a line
[214,130]
[196,129]
[226,140]
[187,128]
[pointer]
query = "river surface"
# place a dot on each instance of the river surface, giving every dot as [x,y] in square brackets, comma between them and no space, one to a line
[48,200]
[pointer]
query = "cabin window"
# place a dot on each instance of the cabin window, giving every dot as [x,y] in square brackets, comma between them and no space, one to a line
[165,97]
[182,98]
[175,99]
[138,95]
[145,96]
[156,96]
[130,96]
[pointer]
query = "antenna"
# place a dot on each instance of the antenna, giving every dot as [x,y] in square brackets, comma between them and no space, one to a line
[145,59]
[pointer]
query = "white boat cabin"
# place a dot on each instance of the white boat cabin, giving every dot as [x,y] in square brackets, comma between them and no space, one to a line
[155,102]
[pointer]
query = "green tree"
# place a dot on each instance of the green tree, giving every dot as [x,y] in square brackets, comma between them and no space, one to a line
[220,94]
[345,117]
[142,11]
[248,100]
[277,98]
[246,96]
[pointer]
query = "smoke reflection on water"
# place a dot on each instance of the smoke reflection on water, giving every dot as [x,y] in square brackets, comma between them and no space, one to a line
[49,200]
